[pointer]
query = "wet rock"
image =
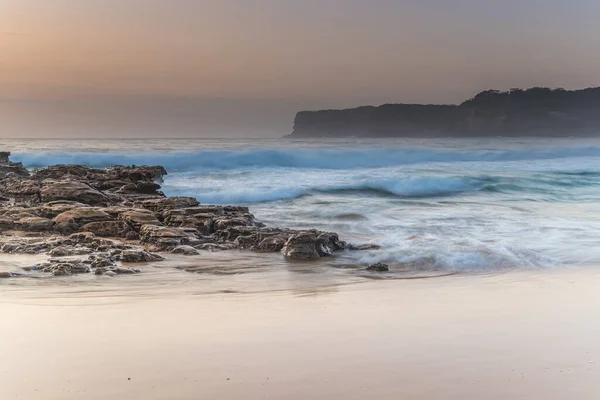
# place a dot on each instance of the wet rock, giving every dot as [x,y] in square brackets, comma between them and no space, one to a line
[73,190]
[62,267]
[327,243]
[125,270]
[4,274]
[378,267]
[139,255]
[216,246]
[311,245]
[185,250]
[302,246]
[359,247]
[60,251]
[272,244]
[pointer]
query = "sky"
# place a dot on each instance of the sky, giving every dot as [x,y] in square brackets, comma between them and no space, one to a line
[87,68]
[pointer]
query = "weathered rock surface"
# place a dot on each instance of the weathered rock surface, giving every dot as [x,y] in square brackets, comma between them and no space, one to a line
[73,190]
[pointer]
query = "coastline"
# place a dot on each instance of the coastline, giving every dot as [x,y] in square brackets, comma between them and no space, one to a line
[98,221]
[492,336]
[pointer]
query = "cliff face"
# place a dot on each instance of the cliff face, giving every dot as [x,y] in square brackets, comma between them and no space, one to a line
[532,112]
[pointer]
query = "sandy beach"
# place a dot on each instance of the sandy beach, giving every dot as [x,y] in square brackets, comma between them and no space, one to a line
[529,334]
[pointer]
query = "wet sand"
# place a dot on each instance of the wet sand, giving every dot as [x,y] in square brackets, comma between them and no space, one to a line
[510,335]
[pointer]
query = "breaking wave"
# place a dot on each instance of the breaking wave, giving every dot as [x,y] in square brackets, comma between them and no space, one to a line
[407,187]
[297,158]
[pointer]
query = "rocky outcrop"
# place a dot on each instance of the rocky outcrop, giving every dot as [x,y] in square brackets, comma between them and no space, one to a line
[118,215]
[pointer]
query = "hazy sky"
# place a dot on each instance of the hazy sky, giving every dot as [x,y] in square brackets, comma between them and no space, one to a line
[112,65]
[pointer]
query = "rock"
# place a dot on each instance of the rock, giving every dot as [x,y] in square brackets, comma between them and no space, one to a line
[110,273]
[215,246]
[272,244]
[357,247]
[132,235]
[83,237]
[35,224]
[6,224]
[203,223]
[60,251]
[125,270]
[226,222]
[154,234]
[137,173]
[107,228]
[137,218]
[4,274]
[54,208]
[63,268]
[72,220]
[378,267]
[139,255]
[185,250]
[302,246]
[73,190]
[328,242]
[167,203]
[312,244]
[26,192]
[8,167]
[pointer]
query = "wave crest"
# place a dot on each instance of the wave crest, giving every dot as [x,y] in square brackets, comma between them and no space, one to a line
[297,158]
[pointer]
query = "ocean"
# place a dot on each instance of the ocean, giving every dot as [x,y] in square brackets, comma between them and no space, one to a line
[456,205]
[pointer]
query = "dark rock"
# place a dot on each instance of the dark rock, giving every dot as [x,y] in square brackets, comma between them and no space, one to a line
[272,244]
[185,250]
[357,247]
[378,267]
[302,246]
[139,255]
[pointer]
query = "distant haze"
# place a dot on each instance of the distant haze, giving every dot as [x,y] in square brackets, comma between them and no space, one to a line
[165,68]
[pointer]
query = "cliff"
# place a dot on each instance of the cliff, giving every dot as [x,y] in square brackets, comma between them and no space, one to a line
[531,112]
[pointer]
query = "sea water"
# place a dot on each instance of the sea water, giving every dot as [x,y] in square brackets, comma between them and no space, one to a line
[436,204]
